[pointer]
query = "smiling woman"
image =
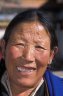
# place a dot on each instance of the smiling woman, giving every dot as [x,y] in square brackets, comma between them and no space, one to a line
[28,47]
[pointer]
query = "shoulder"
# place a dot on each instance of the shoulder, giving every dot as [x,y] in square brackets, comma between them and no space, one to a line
[50,75]
[3,91]
[54,83]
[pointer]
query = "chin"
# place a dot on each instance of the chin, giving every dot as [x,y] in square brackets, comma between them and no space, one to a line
[27,83]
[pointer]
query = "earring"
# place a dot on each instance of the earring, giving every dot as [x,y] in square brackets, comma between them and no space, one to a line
[50,61]
[49,64]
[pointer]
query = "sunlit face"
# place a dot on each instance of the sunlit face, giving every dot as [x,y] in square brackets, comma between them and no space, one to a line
[27,54]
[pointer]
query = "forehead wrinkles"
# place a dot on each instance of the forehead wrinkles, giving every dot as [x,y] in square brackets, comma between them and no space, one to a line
[31,31]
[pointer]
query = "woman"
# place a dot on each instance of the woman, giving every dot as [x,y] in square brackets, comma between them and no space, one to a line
[28,47]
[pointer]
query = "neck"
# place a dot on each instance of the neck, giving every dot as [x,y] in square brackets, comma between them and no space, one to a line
[20,91]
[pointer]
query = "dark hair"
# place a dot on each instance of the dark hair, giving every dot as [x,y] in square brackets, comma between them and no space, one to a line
[33,15]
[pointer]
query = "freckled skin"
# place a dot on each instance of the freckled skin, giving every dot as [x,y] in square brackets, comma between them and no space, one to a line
[24,42]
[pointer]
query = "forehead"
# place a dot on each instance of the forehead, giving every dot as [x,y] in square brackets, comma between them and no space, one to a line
[32,30]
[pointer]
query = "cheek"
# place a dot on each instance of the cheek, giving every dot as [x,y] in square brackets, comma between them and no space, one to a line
[42,58]
[14,52]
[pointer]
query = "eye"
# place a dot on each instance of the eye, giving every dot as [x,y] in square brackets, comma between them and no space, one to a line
[20,44]
[40,47]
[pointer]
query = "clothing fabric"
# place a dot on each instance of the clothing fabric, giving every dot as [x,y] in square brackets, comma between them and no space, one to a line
[6,84]
[54,85]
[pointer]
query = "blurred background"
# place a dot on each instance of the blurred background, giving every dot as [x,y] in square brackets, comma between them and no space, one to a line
[9,8]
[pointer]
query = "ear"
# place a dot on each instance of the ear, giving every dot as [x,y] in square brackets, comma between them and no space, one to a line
[52,54]
[55,50]
[3,48]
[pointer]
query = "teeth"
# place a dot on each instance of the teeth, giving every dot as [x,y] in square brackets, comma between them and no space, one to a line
[24,70]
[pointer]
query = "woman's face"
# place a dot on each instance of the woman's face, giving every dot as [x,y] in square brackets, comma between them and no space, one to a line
[27,54]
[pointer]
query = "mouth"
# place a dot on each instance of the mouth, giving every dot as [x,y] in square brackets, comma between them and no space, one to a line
[25,69]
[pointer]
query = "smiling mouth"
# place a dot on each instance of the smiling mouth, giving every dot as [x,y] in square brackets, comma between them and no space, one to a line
[26,69]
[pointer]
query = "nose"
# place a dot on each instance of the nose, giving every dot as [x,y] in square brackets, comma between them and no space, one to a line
[28,54]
